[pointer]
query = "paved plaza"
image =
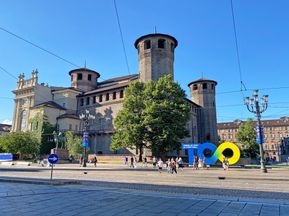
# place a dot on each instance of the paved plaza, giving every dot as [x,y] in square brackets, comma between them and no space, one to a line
[117,190]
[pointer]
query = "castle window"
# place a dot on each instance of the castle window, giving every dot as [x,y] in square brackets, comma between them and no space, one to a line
[94,100]
[107,96]
[79,76]
[76,127]
[70,127]
[147,44]
[121,94]
[212,86]
[71,78]
[161,43]
[81,102]
[87,101]
[89,77]
[205,86]
[100,98]
[114,96]
[195,87]
[172,47]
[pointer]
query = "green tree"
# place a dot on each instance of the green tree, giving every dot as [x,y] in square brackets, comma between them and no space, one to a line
[73,144]
[130,131]
[44,132]
[154,115]
[22,143]
[246,137]
[47,139]
[166,115]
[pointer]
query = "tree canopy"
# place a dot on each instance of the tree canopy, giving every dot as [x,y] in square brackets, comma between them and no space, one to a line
[154,115]
[246,137]
[20,143]
[73,144]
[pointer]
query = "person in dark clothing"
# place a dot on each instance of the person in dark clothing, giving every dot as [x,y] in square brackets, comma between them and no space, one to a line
[131,162]
[94,161]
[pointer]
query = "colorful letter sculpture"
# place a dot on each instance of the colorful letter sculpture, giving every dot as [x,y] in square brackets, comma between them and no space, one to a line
[218,152]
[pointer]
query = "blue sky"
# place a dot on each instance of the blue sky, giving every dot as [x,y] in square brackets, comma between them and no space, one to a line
[87,30]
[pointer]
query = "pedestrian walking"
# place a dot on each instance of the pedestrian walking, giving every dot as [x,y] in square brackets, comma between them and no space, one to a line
[131,162]
[94,161]
[134,162]
[180,163]
[169,166]
[200,163]
[80,161]
[226,164]
[154,162]
[174,166]
[160,165]
[124,160]
[145,162]
[195,162]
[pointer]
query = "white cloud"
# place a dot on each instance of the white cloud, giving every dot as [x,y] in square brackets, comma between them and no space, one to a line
[7,121]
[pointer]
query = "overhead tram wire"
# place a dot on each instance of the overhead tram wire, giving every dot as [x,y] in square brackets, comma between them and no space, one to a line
[39,47]
[121,36]
[237,50]
[264,88]
[10,74]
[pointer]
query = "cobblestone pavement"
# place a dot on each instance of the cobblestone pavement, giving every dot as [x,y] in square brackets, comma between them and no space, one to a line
[273,184]
[24,199]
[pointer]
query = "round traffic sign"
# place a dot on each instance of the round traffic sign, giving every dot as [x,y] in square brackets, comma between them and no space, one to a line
[53,158]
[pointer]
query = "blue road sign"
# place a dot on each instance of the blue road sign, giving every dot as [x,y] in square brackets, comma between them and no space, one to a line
[85,143]
[189,146]
[260,133]
[85,138]
[6,157]
[53,158]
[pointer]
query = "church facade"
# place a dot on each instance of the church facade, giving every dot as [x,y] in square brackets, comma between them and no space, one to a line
[36,102]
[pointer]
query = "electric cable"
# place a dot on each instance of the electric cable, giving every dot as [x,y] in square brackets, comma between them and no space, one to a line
[121,36]
[39,47]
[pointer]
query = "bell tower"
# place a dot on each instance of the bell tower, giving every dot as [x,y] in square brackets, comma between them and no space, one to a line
[155,56]
[203,94]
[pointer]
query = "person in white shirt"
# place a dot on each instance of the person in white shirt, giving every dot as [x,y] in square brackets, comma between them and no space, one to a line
[160,165]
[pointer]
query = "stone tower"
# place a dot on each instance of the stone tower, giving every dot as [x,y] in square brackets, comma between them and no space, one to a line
[203,94]
[84,79]
[155,56]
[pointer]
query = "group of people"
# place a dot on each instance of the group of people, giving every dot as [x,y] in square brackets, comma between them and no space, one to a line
[93,160]
[200,163]
[171,164]
[132,163]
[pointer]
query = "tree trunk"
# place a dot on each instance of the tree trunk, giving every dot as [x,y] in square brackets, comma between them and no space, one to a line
[140,153]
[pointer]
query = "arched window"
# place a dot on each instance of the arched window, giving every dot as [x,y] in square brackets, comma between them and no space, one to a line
[147,44]
[23,120]
[161,43]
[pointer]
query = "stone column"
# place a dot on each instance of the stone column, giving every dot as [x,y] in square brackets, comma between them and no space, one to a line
[14,116]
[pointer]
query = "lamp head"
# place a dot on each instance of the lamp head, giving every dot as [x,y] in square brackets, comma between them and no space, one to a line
[246,100]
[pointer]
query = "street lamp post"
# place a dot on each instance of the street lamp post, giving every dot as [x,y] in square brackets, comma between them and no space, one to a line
[85,117]
[254,107]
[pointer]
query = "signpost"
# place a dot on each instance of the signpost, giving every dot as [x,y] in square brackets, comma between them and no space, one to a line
[52,158]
